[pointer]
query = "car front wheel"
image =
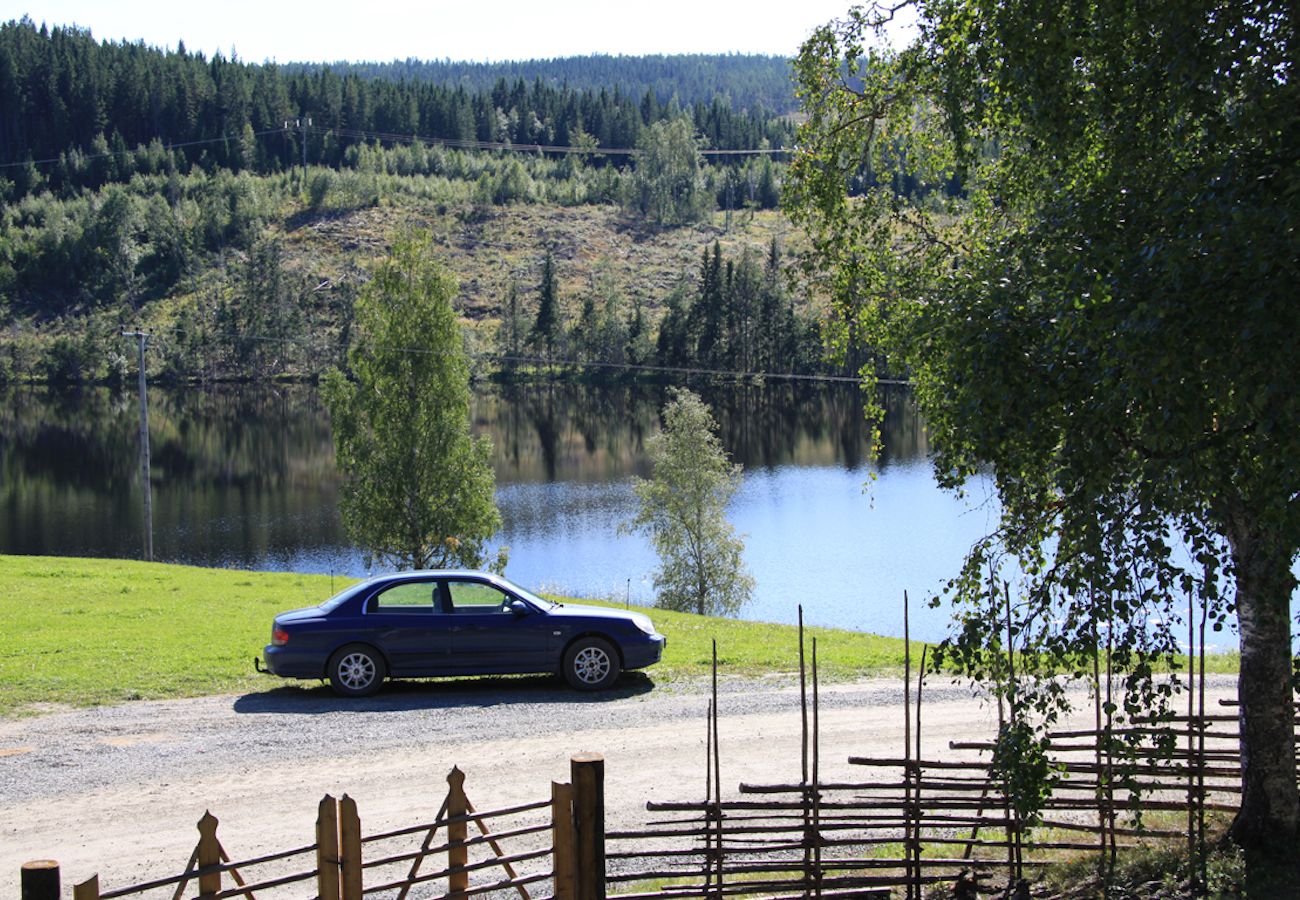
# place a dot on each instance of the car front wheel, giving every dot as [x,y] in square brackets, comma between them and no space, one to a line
[356,671]
[591,664]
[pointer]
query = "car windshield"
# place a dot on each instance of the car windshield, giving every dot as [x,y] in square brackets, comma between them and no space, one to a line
[540,602]
[342,597]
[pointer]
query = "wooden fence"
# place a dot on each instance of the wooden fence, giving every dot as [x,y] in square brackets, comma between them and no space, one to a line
[909,822]
[555,844]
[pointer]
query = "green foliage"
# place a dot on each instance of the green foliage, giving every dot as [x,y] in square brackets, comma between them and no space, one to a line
[602,331]
[683,509]
[512,332]
[1103,313]
[740,318]
[669,188]
[318,189]
[419,489]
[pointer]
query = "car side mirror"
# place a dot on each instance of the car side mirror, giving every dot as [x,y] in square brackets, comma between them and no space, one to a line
[518,607]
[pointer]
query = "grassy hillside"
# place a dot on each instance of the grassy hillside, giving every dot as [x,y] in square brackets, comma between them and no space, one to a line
[488,247]
[96,631]
[271,295]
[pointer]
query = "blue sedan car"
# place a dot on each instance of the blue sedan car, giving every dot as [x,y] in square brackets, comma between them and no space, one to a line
[419,624]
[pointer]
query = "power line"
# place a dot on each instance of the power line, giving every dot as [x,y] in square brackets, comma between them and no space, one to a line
[116,153]
[561,362]
[356,134]
[465,144]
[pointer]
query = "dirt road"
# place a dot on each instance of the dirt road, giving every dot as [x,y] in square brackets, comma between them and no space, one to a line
[118,790]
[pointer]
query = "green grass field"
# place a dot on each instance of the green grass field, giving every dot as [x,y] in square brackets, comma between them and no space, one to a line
[98,631]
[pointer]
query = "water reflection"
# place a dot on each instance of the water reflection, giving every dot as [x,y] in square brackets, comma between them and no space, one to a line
[245,477]
[593,433]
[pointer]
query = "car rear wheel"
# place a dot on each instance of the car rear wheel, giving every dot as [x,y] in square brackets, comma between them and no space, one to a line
[356,670]
[591,664]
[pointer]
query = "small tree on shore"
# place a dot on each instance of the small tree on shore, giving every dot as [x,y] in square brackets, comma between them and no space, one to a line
[418,488]
[683,509]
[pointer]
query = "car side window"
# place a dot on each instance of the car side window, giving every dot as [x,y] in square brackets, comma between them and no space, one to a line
[477,597]
[413,598]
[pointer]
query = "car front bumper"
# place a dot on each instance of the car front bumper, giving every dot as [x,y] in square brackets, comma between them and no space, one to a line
[644,653]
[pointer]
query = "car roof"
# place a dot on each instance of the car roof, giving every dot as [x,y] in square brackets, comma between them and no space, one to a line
[425,574]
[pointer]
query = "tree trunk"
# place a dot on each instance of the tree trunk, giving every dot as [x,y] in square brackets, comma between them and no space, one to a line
[1270,803]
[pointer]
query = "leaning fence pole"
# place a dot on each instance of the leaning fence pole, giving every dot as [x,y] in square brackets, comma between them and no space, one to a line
[912,886]
[1113,848]
[708,797]
[816,778]
[803,703]
[1100,790]
[805,806]
[1193,763]
[1200,760]
[1013,811]
[920,687]
[716,811]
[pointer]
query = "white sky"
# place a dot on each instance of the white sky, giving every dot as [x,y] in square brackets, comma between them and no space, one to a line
[329,30]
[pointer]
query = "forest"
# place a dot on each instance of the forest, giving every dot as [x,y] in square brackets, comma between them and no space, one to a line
[66,98]
[164,190]
[749,81]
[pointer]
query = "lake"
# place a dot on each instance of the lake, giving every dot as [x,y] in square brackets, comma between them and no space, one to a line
[244,477]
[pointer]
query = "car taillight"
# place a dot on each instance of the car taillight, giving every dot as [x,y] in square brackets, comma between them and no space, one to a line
[279,637]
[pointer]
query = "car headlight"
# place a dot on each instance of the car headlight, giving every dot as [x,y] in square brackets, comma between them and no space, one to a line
[644,623]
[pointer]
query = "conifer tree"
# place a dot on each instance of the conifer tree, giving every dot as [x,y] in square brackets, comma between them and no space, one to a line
[546,326]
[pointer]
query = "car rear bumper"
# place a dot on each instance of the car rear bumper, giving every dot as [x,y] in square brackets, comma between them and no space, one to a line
[287,664]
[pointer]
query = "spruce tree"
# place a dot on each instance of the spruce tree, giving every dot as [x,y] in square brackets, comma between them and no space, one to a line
[547,324]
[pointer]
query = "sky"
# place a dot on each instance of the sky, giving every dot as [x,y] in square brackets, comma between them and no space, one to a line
[383,30]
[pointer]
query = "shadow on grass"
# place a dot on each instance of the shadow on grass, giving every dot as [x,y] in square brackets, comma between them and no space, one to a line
[305,698]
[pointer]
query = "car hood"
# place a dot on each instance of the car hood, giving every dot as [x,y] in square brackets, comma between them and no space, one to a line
[599,612]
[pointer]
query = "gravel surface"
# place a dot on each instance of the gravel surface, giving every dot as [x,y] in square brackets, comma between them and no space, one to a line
[71,752]
[118,790]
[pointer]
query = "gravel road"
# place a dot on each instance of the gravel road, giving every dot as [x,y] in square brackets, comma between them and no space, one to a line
[118,790]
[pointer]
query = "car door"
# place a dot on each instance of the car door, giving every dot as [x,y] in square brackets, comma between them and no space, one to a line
[406,620]
[488,636]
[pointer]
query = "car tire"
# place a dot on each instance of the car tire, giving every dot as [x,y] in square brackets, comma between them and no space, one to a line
[357,670]
[591,664]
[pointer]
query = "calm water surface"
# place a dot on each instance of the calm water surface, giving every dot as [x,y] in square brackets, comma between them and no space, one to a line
[245,477]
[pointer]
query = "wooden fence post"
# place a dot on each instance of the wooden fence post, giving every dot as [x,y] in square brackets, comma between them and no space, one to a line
[457,832]
[327,849]
[562,840]
[40,880]
[350,849]
[209,855]
[587,772]
[87,890]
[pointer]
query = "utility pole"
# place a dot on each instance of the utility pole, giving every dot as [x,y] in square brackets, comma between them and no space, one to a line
[143,338]
[302,125]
